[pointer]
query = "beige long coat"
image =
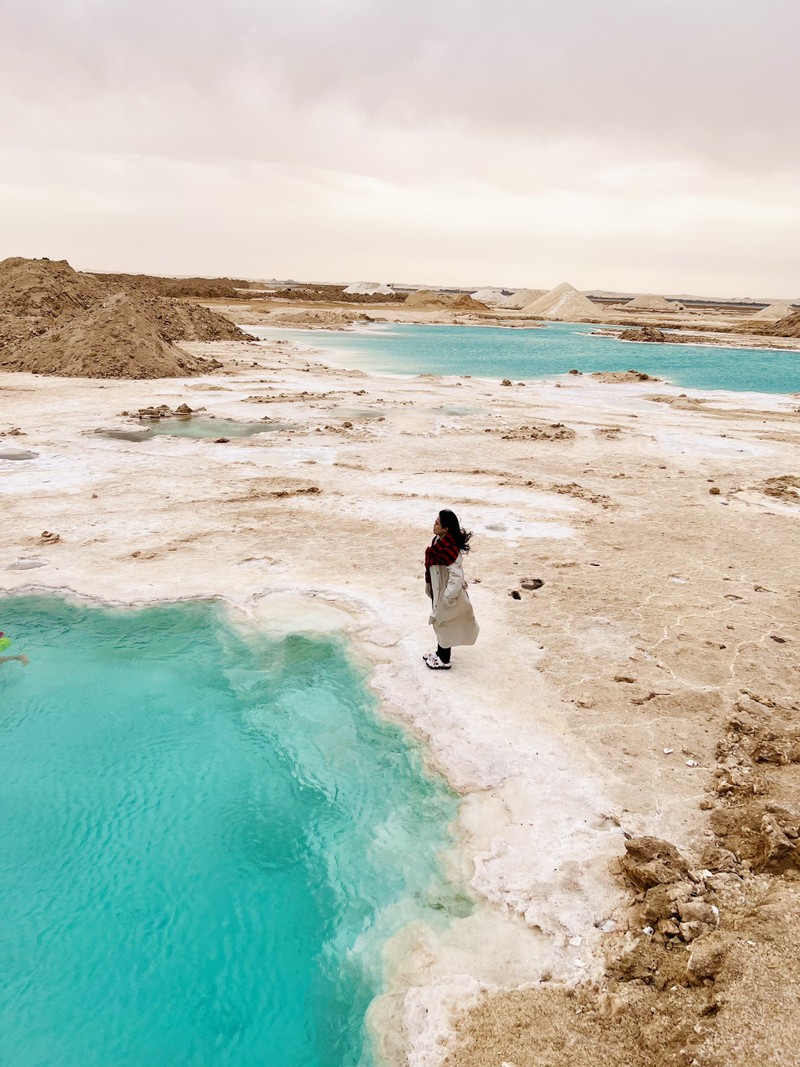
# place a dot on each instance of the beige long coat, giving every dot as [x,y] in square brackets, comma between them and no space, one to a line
[452,617]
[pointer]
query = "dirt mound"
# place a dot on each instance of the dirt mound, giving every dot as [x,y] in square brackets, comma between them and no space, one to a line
[564,304]
[425,299]
[617,377]
[540,431]
[45,288]
[785,487]
[311,319]
[179,321]
[644,333]
[788,326]
[118,339]
[153,285]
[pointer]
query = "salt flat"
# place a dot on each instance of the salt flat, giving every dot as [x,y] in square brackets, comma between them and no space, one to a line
[590,708]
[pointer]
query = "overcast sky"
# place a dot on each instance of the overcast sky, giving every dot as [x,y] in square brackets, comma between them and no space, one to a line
[643,146]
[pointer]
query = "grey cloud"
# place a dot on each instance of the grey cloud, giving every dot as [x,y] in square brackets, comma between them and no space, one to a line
[682,80]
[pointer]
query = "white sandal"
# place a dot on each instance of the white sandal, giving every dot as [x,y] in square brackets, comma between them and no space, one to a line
[432,660]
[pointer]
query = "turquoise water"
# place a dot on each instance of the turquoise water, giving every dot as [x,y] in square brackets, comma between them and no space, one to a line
[204,841]
[550,351]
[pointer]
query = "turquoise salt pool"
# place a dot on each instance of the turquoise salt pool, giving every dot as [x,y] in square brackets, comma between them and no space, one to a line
[550,351]
[205,839]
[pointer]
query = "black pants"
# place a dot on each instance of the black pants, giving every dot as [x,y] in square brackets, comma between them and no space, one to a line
[443,654]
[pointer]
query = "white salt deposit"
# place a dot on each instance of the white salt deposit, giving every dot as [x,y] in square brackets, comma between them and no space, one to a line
[368,289]
[773,312]
[566,304]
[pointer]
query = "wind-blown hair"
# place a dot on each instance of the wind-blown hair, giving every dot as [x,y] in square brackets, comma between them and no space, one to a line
[450,522]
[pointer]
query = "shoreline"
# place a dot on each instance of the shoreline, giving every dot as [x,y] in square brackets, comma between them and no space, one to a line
[339,358]
[564,786]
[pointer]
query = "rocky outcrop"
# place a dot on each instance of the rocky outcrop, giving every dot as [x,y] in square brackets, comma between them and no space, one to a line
[643,333]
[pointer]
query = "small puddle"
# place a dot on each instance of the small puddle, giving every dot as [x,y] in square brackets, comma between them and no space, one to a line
[359,413]
[456,409]
[206,429]
[17,453]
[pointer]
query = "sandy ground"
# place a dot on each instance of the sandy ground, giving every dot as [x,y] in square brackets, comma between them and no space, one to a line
[591,708]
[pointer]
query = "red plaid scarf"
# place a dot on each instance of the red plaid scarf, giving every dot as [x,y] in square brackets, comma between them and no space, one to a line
[441,552]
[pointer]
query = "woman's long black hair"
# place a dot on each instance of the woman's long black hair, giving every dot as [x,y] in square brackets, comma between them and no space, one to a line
[453,526]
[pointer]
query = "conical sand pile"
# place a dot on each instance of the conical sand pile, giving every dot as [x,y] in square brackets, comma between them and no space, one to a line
[521,298]
[650,303]
[488,295]
[564,304]
[772,313]
[118,339]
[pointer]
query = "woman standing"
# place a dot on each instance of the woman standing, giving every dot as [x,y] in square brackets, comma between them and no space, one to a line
[452,618]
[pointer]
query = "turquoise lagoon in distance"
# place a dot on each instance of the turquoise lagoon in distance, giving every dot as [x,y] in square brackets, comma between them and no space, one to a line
[206,839]
[487,352]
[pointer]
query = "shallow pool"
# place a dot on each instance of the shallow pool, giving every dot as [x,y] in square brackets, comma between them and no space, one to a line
[192,426]
[206,838]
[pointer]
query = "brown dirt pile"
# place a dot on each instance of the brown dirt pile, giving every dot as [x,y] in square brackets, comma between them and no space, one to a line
[178,321]
[784,487]
[52,321]
[334,294]
[321,319]
[118,339]
[707,970]
[540,431]
[152,285]
[45,288]
[617,377]
[426,300]
[645,333]
[788,326]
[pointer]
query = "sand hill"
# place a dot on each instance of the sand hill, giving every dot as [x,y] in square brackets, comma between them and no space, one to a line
[55,320]
[488,295]
[564,304]
[45,288]
[772,313]
[118,339]
[521,298]
[652,303]
[427,299]
[368,289]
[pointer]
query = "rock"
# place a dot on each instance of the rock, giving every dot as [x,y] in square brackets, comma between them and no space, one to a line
[707,956]
[715,858]
[698,911]
[506,381]
[644,333]
[690,931]
[49,538]
[649,861]
[663,901]
[183,409]
[531,583]
[714,491]
[574,371]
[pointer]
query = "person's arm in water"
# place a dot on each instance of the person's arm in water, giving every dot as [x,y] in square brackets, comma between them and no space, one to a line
[22,659]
